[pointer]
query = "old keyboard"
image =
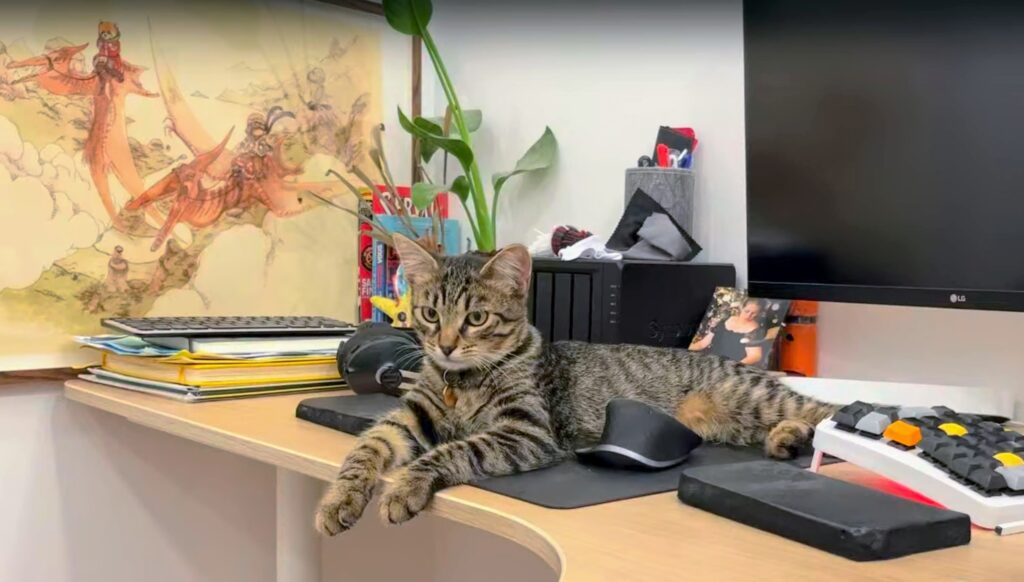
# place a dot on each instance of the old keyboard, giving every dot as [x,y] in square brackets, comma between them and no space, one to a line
[962,461]
[229,326]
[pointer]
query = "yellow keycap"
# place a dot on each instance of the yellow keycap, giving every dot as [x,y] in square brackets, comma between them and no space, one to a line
[1009,459]
[953,429]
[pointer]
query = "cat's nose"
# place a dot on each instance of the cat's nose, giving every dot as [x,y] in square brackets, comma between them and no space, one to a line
[447,350]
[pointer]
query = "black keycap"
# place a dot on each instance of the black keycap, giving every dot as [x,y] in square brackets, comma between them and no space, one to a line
[988,425]
[989,450]
[971,440]
[944,412]
[851,414]
[893,412]
[931,444]
[947,455]
[964,466]
[987,479]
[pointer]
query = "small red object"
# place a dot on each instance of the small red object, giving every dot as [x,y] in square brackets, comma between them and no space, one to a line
[690,133]
[662,155]
[566,236]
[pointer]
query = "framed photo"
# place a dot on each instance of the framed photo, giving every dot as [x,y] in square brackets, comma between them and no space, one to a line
[154,160]
[739,327]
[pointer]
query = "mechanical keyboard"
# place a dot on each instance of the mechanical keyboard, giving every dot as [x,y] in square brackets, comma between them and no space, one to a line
[229,326]
[962,461]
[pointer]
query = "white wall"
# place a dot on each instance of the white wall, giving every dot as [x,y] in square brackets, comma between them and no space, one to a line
[88,497]
[604,75]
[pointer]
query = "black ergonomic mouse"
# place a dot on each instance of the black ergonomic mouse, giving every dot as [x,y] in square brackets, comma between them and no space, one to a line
[639,437]
[378,358]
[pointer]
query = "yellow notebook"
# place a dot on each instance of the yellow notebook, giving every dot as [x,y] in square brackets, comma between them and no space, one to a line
[222,373]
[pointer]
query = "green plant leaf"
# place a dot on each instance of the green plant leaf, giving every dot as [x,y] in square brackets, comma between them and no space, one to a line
[421,128]
[428,148]
[408,16]
[460,187]
[428,125]
[474,118]
[540,156]
[423,194]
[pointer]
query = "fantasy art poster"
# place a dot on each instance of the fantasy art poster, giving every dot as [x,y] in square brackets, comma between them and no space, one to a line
[154,156]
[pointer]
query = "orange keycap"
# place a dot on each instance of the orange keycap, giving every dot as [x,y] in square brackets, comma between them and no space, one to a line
[903,433]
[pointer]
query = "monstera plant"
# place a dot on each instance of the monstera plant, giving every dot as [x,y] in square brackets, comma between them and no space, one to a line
[453,135]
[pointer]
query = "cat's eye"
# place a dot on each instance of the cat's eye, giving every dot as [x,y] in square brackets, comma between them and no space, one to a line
[476,317]
[429,314]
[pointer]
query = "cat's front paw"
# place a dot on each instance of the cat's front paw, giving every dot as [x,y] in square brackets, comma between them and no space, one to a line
[406,496]
[342,505]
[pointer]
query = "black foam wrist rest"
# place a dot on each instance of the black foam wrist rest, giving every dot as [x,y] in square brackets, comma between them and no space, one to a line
[832,515]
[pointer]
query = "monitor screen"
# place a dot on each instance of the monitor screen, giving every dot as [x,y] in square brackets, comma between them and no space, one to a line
[885,151]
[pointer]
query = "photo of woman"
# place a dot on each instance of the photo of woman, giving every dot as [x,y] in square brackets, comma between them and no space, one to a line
[740,328]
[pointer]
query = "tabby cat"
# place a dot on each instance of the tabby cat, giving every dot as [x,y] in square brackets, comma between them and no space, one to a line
[494,399]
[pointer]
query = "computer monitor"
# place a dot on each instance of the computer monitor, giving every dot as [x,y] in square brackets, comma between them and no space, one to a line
[885,151]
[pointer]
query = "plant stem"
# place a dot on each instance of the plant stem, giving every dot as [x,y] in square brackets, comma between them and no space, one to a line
[484,229]
[472,223]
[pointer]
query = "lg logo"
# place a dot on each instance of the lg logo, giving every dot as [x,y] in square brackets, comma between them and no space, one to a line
[954,298]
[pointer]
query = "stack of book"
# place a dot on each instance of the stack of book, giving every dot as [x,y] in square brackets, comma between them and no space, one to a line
[378,264]
[203,370]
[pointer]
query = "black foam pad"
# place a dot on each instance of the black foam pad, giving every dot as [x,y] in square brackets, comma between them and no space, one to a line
[568,485]
[839,517]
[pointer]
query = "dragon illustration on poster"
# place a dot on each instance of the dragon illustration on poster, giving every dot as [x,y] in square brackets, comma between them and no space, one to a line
[106,147]
[127,195]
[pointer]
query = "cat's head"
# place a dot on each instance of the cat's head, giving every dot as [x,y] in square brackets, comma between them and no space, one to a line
[469,310]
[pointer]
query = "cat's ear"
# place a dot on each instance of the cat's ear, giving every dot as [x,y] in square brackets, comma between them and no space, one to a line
[418,263]
[511,266]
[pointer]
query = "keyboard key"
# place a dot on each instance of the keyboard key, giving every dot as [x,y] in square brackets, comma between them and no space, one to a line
[966,465]
[1009,459]
[903,433]
[915,411]
[953,429]
[988,479]
[1014,476]
[933,444]
[893,412]
[990,426]
[947,455]
[851,414]
[874,422]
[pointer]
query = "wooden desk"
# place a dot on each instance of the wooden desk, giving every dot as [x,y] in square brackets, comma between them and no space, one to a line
[649,538]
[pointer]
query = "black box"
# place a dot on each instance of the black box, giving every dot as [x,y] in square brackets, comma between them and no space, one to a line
[656,303]
[839,517]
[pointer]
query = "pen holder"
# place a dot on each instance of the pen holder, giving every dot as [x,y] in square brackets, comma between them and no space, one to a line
[673,188]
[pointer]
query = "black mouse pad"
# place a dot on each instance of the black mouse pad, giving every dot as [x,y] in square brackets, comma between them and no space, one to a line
[568,485]
[832,515]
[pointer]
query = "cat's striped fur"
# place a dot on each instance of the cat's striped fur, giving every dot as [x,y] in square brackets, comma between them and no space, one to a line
[517,404]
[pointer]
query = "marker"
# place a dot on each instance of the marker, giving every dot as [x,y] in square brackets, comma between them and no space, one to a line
[662,155]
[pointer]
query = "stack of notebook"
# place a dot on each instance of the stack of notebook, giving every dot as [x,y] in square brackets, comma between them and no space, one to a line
[194,376]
